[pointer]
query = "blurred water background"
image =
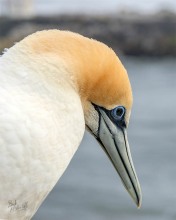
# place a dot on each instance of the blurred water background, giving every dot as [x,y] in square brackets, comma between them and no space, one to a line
[90,189]
[44,7]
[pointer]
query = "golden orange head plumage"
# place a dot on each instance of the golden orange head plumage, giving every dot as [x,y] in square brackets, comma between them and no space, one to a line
[100,75]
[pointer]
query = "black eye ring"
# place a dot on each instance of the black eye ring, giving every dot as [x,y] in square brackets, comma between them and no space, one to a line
[118,112]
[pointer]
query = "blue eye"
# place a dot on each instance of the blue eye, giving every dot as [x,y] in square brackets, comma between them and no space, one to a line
[118,112]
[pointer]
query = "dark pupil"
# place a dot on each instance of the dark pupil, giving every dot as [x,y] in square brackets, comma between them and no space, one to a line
[119,112]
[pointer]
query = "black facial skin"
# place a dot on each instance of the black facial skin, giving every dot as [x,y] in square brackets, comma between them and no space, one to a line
[117,115]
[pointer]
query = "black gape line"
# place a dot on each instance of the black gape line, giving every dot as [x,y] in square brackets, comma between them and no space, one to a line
[131,166]
[96,107]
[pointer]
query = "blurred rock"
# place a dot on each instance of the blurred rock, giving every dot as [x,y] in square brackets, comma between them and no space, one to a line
[130,34]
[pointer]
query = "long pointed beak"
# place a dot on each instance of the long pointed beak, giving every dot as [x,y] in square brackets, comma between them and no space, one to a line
[114,141]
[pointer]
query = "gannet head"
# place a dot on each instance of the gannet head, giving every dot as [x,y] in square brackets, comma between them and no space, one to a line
[105,92]
[107,101]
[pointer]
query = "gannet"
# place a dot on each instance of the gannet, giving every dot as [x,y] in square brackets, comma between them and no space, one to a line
[53,84]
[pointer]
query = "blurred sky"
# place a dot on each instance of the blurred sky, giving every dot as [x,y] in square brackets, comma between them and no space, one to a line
[94,6]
